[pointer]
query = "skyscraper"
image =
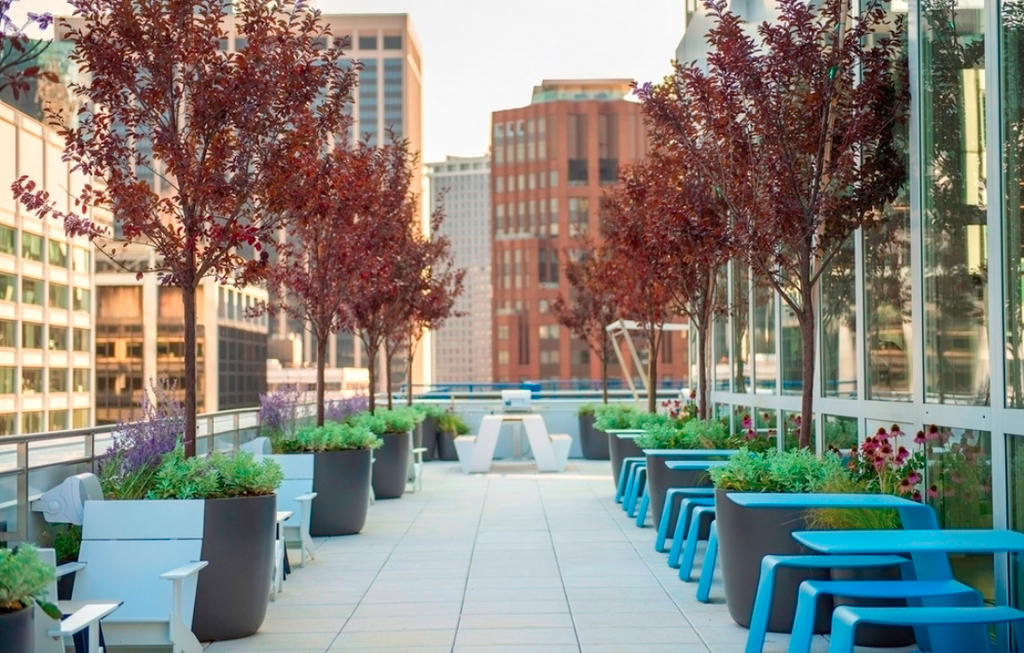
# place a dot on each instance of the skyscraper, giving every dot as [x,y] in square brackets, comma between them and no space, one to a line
[552,162]
[462,347]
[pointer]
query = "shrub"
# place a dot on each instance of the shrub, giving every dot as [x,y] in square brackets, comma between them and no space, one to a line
[611,417]
[662,436]
[644,421]
[400,420]
[67,542]
[214,477]
[707,434]
[851,519]
[585,409]
[774,471]
[451,422]
[332,436]
[24,579]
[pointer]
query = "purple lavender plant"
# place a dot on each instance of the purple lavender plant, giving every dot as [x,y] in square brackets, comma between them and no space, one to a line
[339,410]
[278,410]
[139,447]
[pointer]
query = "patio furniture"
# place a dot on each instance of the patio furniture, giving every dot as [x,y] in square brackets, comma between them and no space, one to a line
[550,451]
[846,618]
[416,466]
[295,496]
[707,570]
[627,468]
[645,502]
[635,488]
[928,549]
[682,494]
[81,619]
[684,522]
[280,554]
[701,514]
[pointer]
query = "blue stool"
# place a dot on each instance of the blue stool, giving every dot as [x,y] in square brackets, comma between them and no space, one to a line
[637,484]
[626,469]
[846,618]
[686,564]
[684,523]
[707,570]
[641,513]
[673,497]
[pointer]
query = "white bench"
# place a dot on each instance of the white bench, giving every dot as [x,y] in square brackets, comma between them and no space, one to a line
[128,549]
[476,453]
[561,443]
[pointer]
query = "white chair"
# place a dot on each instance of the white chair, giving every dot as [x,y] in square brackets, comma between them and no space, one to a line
[50,633]
[280,551]
[128,548]
[296,496]
[416,467]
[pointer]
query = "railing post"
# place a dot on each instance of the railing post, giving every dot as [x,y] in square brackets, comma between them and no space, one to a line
[90,450]
[234,441]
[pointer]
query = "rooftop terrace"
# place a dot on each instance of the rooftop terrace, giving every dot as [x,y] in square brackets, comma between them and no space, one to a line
[508,561]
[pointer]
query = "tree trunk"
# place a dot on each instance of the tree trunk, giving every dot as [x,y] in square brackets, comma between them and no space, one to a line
[652,375]
[412,352]
[321,365]
[371,368]
[703,390]
[387,373]
[807,404]
[604,379]
[188,298]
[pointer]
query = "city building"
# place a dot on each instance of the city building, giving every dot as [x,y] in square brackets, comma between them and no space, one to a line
[46,289]
[462,347]
[552,161]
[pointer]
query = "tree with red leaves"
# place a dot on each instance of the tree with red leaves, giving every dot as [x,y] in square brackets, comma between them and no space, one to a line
[223,130]
[324,242]
[590,306]
[796,128]
[638,259]
[17,50]
[379,299]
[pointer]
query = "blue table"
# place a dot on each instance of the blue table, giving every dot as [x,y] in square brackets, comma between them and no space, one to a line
[928,549]
[694,464]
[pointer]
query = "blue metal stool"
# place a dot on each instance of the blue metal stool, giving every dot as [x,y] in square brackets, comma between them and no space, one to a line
[707,570]
[634,490]
[686,564]
[684,523]
[641,513]
[627,468]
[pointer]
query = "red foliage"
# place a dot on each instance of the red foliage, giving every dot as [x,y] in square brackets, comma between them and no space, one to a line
[223,130]
[795,126]
[17,50]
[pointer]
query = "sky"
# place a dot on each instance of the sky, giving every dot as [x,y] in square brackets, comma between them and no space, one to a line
[481,56]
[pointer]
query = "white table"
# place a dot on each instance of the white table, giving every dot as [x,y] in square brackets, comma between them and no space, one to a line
[477,454]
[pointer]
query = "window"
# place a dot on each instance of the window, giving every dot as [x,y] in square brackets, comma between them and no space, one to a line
[8,423]
[503,357]
[82,299]
[80,340]
[502,332]
[81,260]
[240,43]
[548,332]
[80,380]
[576,132]
[31,380]
[58,254]
[8,288]
[522,182]
[31,335]
[8,333]
[7,383]
[393,42]
[58,295]
[31,246]
[58,379]
[549,357]
[533,181]
[58,340]
[8,239]
[80,418]
[553,175]
[579,215]
[32,291]
[58,420]
[608,148]
[32,422]
[500,185]
[543,306]
[368,42]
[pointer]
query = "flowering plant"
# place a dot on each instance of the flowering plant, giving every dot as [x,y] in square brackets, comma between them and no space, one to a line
[278,410]
[887,467]
[677,409]
[343,410]
[754,439]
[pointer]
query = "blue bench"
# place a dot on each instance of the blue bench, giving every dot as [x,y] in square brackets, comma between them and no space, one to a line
[685,523]
[770,564]
[700,514]
[846,619]
[635,489]
[673,496]
[707,570]
[624,473]
[812,590]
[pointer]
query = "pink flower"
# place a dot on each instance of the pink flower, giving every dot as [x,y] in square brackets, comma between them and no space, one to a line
[933,433]
[919,438]
[914,478]
[693,394]
[746,422]
[933,491]
[916,496]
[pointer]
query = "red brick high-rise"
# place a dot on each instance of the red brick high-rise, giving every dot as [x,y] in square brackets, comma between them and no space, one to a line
[551,163]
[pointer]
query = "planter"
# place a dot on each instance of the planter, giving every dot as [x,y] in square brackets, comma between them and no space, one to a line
[878,636]
[446,446]
[660,478]
[234,589]
[391,465]
[429,430]
[16,634]
[619,448]
[745,535]
[593,442]
[341,480]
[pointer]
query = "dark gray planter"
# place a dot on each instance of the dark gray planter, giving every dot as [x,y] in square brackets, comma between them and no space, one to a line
[878,636]
[745,535]
[16,634]
[233,590]
[660,478]
[619,448]
[593,442]
[429,430]
[341,480]
[391,466]
[446,446]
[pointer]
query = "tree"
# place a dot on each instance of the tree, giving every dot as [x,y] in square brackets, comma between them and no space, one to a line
[795,128]
[222,131]
[18,52]
[590,306]
[378,300]
[323,249]
[637,259]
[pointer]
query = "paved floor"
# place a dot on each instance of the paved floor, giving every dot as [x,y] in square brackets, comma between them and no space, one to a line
[509,561]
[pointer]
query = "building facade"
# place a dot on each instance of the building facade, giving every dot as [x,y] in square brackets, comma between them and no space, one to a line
[462,347]
[552,162]
[922,320]
[46,290]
